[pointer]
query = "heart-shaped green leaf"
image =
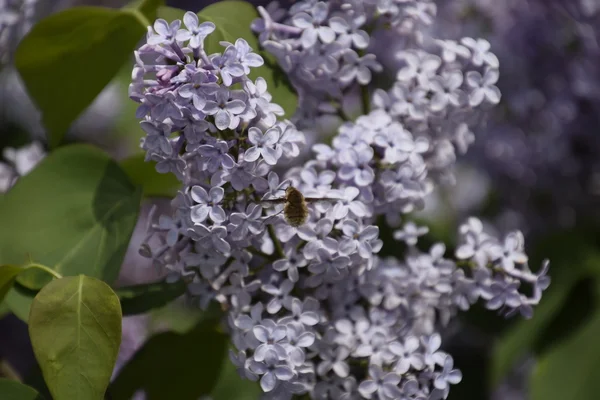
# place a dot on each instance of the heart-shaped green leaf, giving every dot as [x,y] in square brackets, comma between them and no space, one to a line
[144,174]
[75,331]
[74,212]
[69,57]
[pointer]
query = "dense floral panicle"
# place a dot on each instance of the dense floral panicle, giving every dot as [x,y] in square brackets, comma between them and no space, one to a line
[306,302]
[540,147]
[441,89]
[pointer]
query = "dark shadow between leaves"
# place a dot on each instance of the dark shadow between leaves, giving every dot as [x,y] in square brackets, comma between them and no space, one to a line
[174,366]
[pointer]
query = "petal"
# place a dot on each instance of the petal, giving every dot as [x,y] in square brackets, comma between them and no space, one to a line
[302,20]
[474,79]
[274,306]
[338,24]
[270,155]
[366,388]
[161,27]
[217,214]
[363,76]
[199,213]
[227,161]
[309,318]
[326,34]
[221,245]
[306,339]
[236,70]
[271,136]
[255,135]
[360,39]
[454,377]
[493,94]
[476,97]
[199,195]
[284,373]
[369,233]
[205,28]
[222,119]
[216,194]
[261,333]
[306,233]
[190,20]
[341,369]
[268,382]
[253,60]
[260,352]
[308,38]
[279,333]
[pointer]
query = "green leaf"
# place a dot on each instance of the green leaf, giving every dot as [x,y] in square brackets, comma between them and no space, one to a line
[4,309]
[176,316]
[81,209]
[192,364]
[148,8]
[170,13]
[30,270]
[13,390]
[570,369]
[69,57]
[233,19]
[144,174]
[139,299]
[8,274]
[75,331]
[230,386]
[19,301]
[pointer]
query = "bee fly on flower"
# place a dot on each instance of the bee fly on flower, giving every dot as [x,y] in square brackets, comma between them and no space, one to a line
[295,209]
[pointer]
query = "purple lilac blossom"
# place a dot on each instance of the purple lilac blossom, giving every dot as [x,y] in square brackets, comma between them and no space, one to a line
[306,303]
[540,147]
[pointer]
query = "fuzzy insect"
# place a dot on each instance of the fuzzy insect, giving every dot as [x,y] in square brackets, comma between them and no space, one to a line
[295,208]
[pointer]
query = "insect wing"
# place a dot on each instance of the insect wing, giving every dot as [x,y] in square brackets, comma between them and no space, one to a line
[272,202]
[320,199]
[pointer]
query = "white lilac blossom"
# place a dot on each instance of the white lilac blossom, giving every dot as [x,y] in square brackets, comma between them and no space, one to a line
[313,309]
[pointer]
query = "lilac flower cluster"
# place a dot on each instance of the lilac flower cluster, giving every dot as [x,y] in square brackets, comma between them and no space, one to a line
[441,90]
[16,17]
[312,309]
[541,147]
